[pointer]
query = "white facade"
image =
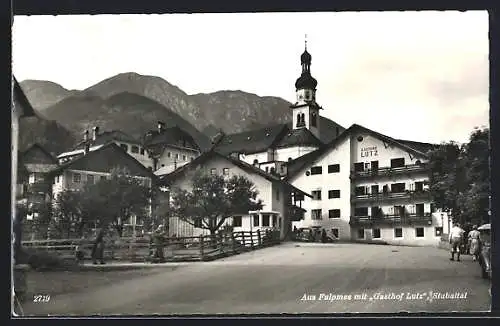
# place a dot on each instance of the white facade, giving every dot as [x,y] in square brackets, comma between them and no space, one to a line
[174,157]
[271,193]
[348,201]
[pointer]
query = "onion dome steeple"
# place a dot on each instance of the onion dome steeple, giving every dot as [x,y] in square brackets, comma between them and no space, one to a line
[306,81]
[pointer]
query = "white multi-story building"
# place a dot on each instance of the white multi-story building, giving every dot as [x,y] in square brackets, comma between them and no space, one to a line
[365,185]
[278,196]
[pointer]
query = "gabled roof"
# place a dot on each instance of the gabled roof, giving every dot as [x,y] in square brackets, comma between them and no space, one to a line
[48,159]
[297,165]
[422,147]
[200,160]
[18,95]
[79,151]
[170,136]
[299,137]
[106,137]
[252,141]
[105,159]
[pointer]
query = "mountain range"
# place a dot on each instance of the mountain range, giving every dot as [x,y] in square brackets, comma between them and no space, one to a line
[134,103]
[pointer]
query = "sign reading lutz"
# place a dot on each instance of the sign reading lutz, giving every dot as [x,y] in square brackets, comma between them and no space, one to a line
[369,151]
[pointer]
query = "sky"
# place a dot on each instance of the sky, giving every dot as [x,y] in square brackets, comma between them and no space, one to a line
[422,76]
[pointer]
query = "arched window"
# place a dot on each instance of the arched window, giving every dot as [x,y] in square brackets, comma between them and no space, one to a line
[255,161]
[314,119]
[298,119]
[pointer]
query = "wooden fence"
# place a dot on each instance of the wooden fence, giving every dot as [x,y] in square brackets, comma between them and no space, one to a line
[141,249]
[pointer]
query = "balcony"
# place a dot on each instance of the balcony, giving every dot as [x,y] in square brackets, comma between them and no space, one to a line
[384,196]
[39,187]
[392,220]
[296,213]
[389,172]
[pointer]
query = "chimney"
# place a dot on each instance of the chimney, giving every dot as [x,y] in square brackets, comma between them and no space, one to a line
[86,136]
[95,133]
[161,126]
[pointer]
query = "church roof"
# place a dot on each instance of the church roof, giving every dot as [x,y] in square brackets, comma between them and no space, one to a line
[297,165]
[299,137]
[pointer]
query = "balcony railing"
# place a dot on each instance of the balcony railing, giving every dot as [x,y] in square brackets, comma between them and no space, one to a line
[406,219]
[388,171]
[296,213]
[408,194]
[39,187]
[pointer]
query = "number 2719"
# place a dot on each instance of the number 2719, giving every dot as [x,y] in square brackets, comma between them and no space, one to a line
[41,298]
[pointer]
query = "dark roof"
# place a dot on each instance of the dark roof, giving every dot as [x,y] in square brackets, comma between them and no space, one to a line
[105,159]
[19,96]
[169,136]
[32,155]
[251,141]
[299,137]
[422,147]
[200,160]
[295,166]
[107,137]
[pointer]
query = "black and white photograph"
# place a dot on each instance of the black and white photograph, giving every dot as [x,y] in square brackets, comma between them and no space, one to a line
[250,163]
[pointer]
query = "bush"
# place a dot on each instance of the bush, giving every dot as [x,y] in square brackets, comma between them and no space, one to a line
[42,260]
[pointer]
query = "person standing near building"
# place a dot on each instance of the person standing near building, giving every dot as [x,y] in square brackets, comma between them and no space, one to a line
[473,237]
[456,235]
[98,248]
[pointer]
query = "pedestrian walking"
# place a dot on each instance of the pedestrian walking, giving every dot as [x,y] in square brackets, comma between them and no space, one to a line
[474,242]
[159,244]
[456,235]
[98,248]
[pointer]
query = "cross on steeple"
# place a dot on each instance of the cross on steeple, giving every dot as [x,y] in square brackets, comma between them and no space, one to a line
[305,41]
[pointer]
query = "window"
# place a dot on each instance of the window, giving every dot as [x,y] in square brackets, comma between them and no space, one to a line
[134,149]
[279,223]
[77,177]
[335,233]
[103,177]
[361,233]
[333,168]
[333,194]
[419,232]
[267,169]
[213,171]
[334,213]
[360,191]
[90,178]
[377,212]
[376,234]
[374,189]
[256,220]
[142,151]
[314,119]
[184,157]
[316,214]
[256,161]
[177,156]
[361,211]
[225,171]
[275,220]
[124,146]
[169,154]
[163,165]
[359,167]
[273,170]
[237,221]
[265,219]
[397,162]
[374,166]
[419,186]
[419,209]
[398,187]
[398,233]
[58,178]
[316,170]
[438,231]
[316,194]
[198,223]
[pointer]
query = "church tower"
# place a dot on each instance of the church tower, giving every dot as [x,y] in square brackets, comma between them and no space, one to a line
[306,110]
